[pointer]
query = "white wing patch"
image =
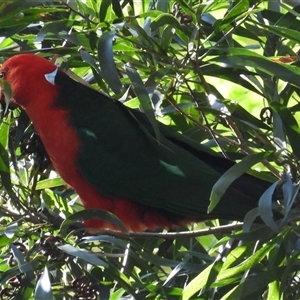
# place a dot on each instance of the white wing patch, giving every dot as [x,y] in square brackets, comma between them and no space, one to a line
[50,77]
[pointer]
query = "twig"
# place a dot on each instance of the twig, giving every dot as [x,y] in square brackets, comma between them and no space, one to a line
[173,235]
[219,135]
[229,32]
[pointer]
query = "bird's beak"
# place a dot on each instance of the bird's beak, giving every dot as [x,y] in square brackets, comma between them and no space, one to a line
[5,96]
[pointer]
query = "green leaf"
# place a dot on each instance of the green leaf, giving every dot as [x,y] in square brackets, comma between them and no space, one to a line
[201,280]
[240,58]
[51,27]
[265,207]
[143,96]
[248,263]
[163,20]
[284,32]
[85,255]
[6,90]
[10,230]
[85,8]
[180,52]
[237,10]
[43,289]
[290,192]
[163,5]
[89,214]
[4,136]
[254,285]
[106,61]
[104,5]
[89,59]
[232,174]
[290,125]
[26,268]
[49,183]
[117,9]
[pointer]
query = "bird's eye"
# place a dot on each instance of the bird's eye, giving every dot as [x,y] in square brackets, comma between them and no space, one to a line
[2,74]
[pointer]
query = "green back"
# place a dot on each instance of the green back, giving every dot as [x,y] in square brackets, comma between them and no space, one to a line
[121,157]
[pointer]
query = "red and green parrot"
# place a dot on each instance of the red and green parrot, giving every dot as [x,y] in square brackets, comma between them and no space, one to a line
[110,155]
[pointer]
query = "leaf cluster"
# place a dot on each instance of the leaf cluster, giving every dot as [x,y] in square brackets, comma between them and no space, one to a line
[224,73]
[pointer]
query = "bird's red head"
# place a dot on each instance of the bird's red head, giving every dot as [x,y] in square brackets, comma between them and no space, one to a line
[26,74]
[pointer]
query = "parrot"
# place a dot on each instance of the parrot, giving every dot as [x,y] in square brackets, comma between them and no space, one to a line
[112,157]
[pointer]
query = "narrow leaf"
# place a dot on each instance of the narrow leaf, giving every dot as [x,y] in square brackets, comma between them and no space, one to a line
[199,282]
[248,263]
[143,97]
[49,183]
[90,214]
[43,289]
[85,255]
[290,124]
[107,64]
[232,174]
[163,20]
[265,207]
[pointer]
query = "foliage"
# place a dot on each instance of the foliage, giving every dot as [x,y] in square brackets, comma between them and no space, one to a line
[226,74]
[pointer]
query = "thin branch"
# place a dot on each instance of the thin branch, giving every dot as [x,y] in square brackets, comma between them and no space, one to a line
[174,235]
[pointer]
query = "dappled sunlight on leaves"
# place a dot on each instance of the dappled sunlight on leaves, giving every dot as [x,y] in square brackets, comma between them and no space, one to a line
[167,59]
